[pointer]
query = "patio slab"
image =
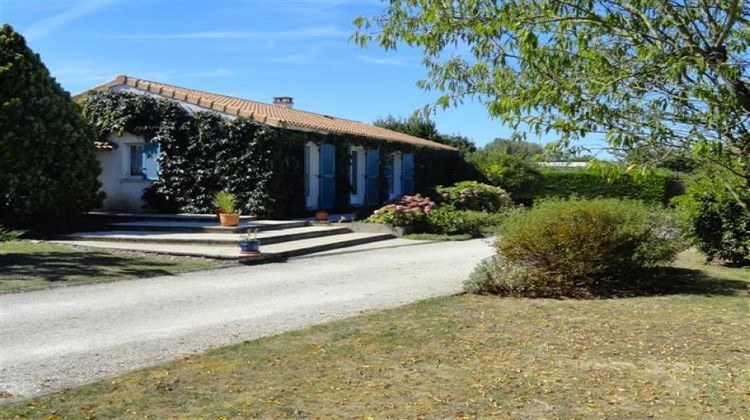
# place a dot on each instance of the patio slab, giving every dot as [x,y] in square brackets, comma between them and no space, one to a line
[226,252]
[266,237]
[206,226]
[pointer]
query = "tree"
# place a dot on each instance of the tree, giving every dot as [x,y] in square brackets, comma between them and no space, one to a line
[510,164]
[654,74]
[48,169]
[417,126]
[523,149]
[425,128]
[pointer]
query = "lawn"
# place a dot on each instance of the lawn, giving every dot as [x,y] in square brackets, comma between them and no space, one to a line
[682,353]
[31,265]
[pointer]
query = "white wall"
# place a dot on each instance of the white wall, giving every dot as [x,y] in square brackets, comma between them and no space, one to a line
[123,191]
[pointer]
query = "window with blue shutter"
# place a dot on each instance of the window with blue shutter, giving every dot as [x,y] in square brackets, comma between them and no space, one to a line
[372,177]
[327,176]
[407,174]
[307,171]
[150,160]
[136,160]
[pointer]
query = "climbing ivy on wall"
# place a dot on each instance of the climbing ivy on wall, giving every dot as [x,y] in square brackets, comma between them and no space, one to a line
[264,166]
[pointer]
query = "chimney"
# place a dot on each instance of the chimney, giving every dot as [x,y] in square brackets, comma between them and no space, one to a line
[285,101]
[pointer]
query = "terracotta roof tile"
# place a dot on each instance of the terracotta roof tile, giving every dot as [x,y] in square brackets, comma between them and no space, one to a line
[269,114]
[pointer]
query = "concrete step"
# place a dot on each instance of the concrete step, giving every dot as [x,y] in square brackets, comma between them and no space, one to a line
[267,237]
[129,217]
[203,226]
[271,252]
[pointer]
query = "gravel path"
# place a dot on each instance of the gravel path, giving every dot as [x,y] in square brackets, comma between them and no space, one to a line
[69,336]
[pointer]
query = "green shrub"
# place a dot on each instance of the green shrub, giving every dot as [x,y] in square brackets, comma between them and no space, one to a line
[447,220]
[409,210]
[717,220]
[579,248]
[496,275]
[652,188]
[48,168]
[472,195]
[518,176]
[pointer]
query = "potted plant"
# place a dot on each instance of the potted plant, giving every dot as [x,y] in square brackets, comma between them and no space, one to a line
[227,202]
[321,215]
[249,243]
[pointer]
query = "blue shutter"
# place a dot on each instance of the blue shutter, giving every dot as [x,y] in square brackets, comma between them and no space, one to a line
[307,172]
[150,160]
[372,175]
[407,174]
[327,176]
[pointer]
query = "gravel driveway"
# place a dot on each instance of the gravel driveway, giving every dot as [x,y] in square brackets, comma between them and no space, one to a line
[69,336]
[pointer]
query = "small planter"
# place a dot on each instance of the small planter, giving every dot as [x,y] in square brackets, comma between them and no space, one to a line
[229,219]
[321,216]
[251,246]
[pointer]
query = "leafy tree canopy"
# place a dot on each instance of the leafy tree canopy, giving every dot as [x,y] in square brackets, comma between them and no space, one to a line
[660,74]
[423,127]
[47,165]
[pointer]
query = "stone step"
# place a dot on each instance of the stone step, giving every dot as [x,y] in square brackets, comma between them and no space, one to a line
[126,216]
[203,226]
[273,252]
[267,237]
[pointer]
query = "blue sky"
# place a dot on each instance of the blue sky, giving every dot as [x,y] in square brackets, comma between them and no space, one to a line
[254,49]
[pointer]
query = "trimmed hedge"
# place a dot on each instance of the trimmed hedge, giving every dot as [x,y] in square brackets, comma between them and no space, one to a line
[657,188]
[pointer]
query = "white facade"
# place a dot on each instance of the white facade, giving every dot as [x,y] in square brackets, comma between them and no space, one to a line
[123,190]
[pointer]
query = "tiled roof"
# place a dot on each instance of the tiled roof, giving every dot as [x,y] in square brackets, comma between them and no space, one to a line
[269,114]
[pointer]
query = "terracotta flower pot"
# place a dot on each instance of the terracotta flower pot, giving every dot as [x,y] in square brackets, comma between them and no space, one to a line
[229,219]
[321,216]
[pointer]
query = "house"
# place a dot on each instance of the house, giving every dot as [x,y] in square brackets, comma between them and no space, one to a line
[130,163]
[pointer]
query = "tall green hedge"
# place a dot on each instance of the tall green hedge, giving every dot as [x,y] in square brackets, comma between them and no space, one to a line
[651,188]
[48,169]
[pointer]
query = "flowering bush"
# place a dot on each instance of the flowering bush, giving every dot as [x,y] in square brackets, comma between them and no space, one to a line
[472,195]
[407,211]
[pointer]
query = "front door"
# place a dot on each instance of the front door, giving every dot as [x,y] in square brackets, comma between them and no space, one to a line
[320,176]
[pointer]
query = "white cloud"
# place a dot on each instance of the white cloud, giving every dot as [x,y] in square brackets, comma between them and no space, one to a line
[292,34]
[304,57]
[50,24]
[382,61]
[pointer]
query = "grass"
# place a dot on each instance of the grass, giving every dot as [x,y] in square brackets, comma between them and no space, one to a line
[680,353]
[437,237]
[34,265]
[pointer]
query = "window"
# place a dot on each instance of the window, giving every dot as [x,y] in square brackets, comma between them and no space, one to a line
[136,160]
[353,181]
